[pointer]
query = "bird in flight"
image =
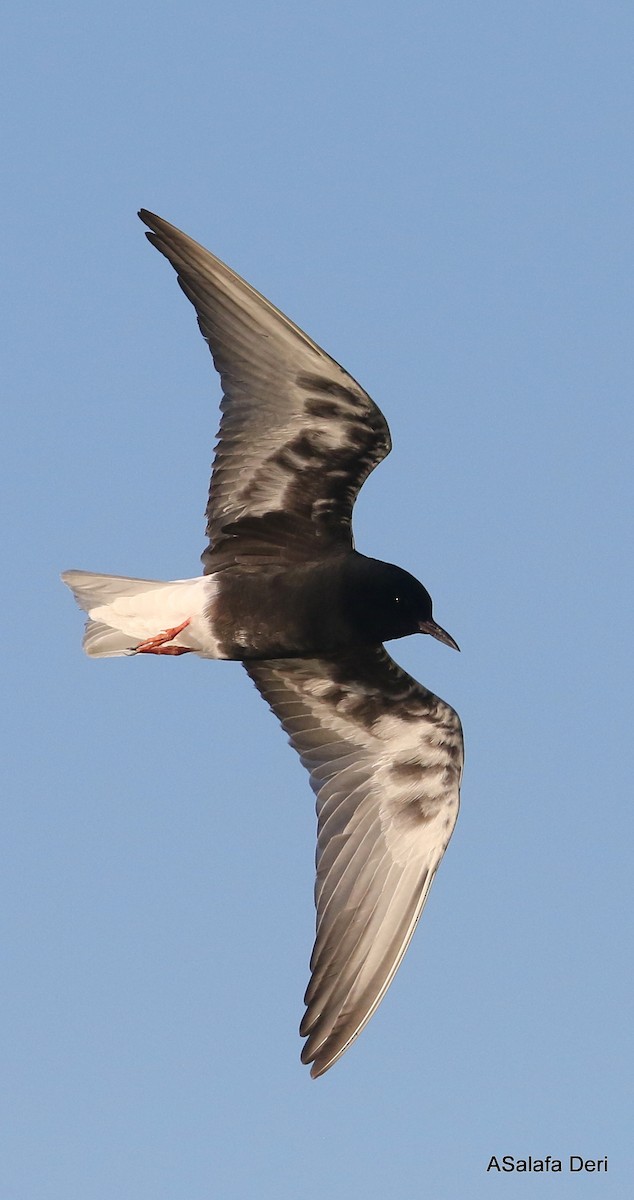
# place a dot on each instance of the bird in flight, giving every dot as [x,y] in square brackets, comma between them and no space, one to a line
[284,592]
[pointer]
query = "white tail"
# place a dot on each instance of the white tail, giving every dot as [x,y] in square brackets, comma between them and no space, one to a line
[124,612]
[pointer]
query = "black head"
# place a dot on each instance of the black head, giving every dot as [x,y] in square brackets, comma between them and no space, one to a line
[386,602]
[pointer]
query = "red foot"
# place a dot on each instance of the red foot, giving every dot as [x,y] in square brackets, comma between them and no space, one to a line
[156,645]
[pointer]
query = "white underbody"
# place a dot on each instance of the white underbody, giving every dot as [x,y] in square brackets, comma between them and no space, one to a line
[123,613]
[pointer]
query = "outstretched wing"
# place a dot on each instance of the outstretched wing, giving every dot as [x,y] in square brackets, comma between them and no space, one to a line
[298,435]
[385,761]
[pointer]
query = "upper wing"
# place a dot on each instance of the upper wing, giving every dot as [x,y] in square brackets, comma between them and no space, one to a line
[385,761]
[297,437]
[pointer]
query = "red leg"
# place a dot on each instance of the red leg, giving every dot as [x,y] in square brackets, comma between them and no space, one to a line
[156,644]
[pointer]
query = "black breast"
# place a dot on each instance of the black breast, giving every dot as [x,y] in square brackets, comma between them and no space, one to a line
[281,612]
[317,608]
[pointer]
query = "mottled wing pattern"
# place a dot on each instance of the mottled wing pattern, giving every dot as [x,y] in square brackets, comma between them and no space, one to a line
[385,760]
[298,435]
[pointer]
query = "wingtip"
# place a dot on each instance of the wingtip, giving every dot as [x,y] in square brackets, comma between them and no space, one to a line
[317,1066]
[151,220]
[321,1064]
[320,1053]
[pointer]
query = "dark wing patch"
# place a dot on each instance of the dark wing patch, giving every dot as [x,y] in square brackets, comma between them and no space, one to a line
[298,436]
[385,761]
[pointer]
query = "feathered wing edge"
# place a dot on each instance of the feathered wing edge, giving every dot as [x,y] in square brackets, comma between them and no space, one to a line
[298,434]
[385,760]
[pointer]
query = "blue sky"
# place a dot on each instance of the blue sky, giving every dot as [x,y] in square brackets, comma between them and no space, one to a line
[441,195]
